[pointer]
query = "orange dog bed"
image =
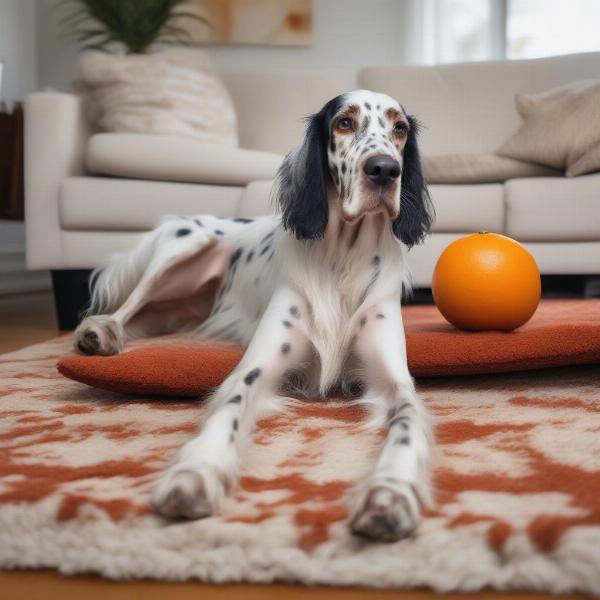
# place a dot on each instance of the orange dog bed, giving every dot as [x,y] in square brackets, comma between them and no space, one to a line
[562,332]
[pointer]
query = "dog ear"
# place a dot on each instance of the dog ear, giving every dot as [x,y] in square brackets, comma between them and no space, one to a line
[301,184]
[416,210]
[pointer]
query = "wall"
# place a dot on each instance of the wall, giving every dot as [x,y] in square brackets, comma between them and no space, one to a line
[18,50]
[348,34]
[17,47]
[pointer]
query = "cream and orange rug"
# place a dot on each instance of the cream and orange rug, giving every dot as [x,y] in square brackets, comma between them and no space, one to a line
[517,476]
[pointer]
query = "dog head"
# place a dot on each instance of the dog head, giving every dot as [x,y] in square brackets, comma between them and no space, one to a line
[364,146]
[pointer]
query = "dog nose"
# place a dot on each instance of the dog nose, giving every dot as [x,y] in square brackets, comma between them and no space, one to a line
[382,170]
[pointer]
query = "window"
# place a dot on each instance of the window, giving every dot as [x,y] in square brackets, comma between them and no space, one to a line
[467,30]
[545,27]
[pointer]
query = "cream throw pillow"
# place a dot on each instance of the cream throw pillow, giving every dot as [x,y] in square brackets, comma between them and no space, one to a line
[172,92]
[480,168]
[561,128]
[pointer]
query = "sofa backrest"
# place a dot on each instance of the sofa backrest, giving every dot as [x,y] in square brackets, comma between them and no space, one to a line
[469,107]
[271,106]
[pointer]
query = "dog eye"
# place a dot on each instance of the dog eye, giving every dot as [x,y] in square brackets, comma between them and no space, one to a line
[400,127]
[345,123]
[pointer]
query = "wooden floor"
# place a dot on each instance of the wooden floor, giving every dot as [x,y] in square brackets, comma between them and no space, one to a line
[25,320]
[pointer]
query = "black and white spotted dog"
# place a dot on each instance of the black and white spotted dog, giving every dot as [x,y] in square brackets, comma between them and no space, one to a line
[314,292]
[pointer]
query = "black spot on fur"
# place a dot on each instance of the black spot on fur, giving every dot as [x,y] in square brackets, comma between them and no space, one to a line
[286,323]
[416,211]
[182,232]
[198,222]
[380,316]
[235,425]
[218,232]
[363,321]
[302,178]
[380,121]
[365,126]
[295,312]
[367,106]
[265,249]
[236,399]
[271,255]
[332,145]
[242,220]
[394,414]
[250,255]
[268,236]
[285,348]
[235,257]
[403,441]
[344,167]
[252,376]
[376,260]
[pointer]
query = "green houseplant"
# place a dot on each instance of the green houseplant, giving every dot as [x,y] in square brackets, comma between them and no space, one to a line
[134,25]
[134,75]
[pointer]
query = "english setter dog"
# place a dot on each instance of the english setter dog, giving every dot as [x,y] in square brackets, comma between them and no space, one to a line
[314,293]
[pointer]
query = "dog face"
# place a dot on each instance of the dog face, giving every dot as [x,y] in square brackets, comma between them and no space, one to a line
[365,153]
[364,146]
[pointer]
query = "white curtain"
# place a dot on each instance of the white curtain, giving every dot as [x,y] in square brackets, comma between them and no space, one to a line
[449,31]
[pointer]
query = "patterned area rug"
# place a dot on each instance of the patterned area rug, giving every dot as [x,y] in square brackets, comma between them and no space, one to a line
[517,477]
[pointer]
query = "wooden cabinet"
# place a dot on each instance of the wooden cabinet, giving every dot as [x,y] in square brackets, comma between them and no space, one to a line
[11,164]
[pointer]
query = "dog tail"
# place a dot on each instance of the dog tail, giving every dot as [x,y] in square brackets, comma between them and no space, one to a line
[112,283]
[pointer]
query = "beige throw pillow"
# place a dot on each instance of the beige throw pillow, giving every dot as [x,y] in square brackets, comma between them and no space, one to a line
[480,168]
[172,92]
[561,128]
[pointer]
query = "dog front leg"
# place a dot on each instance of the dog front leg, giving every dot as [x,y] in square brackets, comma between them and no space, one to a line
[389,507]
[208,464]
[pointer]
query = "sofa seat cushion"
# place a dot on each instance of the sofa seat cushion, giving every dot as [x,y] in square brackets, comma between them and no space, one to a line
[102,204]
[460,208]
[480,168]
[172,158]
[554,210]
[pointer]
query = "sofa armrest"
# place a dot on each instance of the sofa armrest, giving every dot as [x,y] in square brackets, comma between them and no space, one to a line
[55,136]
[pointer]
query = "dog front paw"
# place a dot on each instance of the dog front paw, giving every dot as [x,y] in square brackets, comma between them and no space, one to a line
[182,494]
[100,334]
[386,514]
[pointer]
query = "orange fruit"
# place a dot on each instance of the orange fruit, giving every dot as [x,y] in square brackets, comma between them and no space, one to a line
[486,281]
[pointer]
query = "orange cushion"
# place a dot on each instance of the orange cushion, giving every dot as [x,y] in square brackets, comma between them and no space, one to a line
[562,332]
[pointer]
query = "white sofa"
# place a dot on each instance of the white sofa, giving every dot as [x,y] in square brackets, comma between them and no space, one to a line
[88,195]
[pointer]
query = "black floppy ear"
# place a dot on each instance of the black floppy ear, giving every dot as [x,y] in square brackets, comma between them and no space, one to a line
[416,210]
[301,185]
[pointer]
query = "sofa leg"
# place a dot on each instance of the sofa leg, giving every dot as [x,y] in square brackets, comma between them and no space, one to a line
[71,296]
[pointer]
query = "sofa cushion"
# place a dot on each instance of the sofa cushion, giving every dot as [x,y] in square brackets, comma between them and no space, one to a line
[554,210]
[469,107]
[480,168]
[256,199]
[172,92]
[101,204]
[559,127]
[468,208]
[271,104]
[459,208]
[171,158]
